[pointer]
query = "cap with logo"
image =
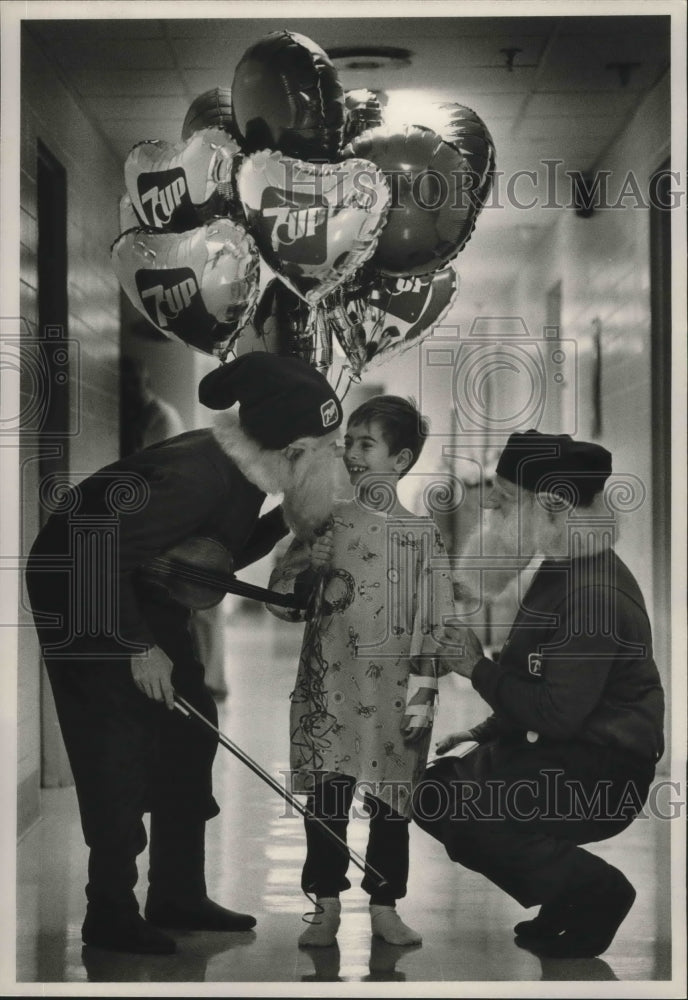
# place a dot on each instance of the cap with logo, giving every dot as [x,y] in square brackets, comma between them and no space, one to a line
[555,463]
[280,398]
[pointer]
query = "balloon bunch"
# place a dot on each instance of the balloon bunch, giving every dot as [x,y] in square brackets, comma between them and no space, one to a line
[357,221]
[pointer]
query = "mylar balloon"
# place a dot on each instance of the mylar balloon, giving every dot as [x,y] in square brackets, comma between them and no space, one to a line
[211,109]
[315,225]
[201,286]
[128,218]
[465,130]
[430,218]
[279,325]
[178,187]
[388,317]
[363,111]
[286,95]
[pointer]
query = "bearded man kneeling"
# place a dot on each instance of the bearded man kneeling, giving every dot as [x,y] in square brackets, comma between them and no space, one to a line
[568,755]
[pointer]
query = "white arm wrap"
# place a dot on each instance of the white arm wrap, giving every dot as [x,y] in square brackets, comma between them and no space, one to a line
[415,683]
[418,714]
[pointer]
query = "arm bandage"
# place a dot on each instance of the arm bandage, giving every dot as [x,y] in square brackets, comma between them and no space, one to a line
[416,682]
[420,715]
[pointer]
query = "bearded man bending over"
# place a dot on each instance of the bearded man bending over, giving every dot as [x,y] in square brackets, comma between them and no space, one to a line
[116,652]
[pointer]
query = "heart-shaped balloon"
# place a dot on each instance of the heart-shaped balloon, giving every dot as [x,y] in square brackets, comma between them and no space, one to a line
[389,315]
[315,224]
[177,187]
[200,286]
[286,95]
[363,111]
[211,109]
[430,219]
[465,130]
[128,218]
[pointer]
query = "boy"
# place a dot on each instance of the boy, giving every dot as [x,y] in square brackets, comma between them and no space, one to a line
[362,708]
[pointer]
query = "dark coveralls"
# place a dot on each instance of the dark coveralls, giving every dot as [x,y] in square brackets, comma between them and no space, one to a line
[568,756]
[128,753]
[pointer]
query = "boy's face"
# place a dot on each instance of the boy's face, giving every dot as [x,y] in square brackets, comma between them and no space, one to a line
[366,451]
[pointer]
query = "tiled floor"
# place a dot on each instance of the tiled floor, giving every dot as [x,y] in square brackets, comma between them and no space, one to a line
[254,856]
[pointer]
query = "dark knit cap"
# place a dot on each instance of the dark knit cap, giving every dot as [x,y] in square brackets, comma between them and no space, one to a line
[280,399]
[555,463]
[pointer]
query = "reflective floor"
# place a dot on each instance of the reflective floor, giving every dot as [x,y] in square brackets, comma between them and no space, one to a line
[255,852]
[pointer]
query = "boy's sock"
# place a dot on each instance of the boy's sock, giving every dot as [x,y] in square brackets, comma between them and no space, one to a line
[323,931]
[387,924]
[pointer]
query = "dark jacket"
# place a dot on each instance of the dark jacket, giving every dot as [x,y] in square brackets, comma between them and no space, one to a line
[119,519]
[578,663]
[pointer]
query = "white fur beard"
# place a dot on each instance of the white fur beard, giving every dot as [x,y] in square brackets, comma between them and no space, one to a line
[268,470]
[307,487]
[309,499]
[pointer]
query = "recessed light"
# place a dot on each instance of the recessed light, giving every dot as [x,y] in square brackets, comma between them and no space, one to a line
[369,57]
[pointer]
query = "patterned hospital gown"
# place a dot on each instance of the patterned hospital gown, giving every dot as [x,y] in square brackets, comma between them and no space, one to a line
[388,591]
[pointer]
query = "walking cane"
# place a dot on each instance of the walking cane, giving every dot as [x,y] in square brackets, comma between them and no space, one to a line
[187,709]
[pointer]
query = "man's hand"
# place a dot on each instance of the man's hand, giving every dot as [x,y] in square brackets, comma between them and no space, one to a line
[449,742]
[322,550]
[460,650]
[152,673]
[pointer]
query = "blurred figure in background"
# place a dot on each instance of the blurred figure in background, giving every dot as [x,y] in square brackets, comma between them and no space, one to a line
[145,418]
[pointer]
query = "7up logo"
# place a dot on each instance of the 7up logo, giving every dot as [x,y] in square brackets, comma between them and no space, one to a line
[297,225]
[163,195]
[167,295]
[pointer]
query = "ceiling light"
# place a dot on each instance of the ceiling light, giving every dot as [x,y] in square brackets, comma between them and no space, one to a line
[370,57]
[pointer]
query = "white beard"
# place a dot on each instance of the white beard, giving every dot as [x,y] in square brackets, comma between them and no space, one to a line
[307,482]
[268,470]
[309,496]
[503,561]
[549,539]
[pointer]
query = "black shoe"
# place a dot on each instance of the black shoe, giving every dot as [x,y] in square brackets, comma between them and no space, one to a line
[591,924]
[203,915]
[549,923]
[130,934]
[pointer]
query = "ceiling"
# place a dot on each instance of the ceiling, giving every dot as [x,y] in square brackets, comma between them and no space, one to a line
[564,97]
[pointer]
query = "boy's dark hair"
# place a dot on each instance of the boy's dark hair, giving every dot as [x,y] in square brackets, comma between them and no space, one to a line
[402,425]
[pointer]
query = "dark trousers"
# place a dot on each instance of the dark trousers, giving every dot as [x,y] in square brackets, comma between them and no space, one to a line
[130,755]
[517,813]
[324,871]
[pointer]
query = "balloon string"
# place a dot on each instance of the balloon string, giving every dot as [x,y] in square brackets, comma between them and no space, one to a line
[339,377]
[317,910]
[352,379]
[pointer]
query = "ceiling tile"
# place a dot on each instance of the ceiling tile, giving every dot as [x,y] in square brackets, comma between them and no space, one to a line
[592,103]
[349,30]
[153,128]
[136,108]
[559,126]
[122,83]
[96,28]
[117,54]
[578,63]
